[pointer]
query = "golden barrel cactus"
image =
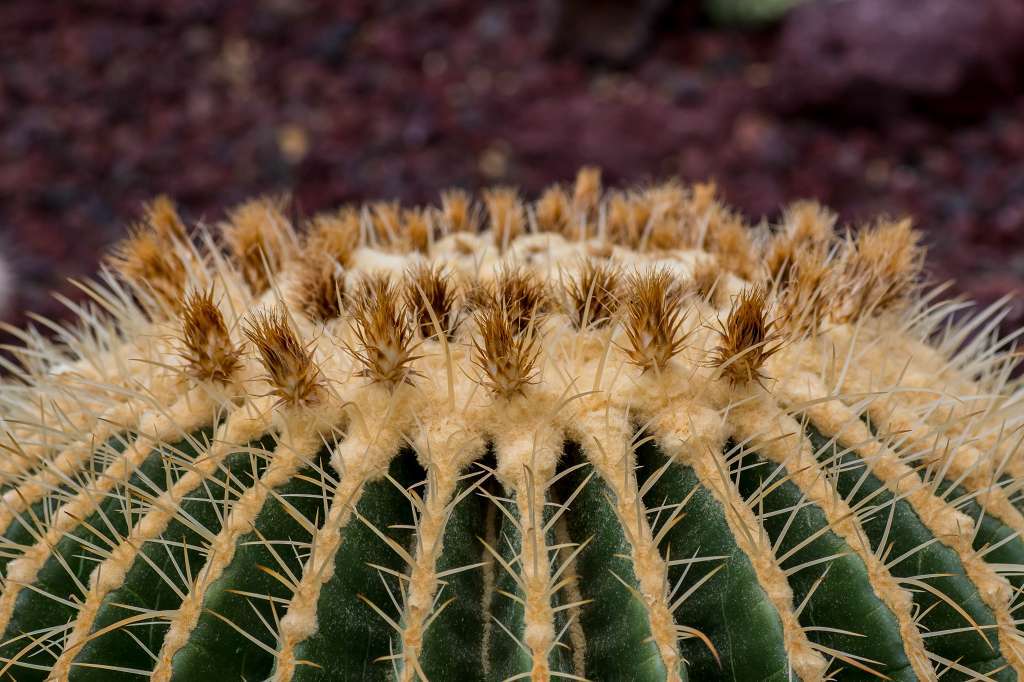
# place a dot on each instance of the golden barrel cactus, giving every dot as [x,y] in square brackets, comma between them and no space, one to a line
[605,435]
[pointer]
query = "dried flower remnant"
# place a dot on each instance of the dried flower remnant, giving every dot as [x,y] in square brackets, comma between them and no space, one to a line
[804,301]
[592,294]
[747,338]
[386,220]
[293,375]
[260,238]
[519,292]
[457,213]
[669,227]
[209,351]
[384,335]
[320,290]
[707,280]
[809,222]
[476,294]
[806,224]
[335,235]
[506,215]
[416,230]
[554,212]
[151,259]
[703,199]
[162,216]
[879,269]
[430,298]
[654,319]
[628,218]
[506,354]
[728,238]
[587,193]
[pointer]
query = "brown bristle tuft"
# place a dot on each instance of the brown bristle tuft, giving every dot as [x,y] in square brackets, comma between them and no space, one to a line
[667,207]
[457,214]
[879,269]
[416,230]
[260,238]
[477,294]
[554,213]
[707,280]
[665,235]
[380,322]
[805,224]
[668,197]
[152,261]
[506,354]
[519,292]
[291,371]
[704,198]
[804,300]
[747,338]
[320,290]
[386,219]
[335,235]
[809,222]
[506,215]
[162,216]
[592,294]
[779,257]
[654,318]
[628,216]
[429,294]
[728,238]
[587,193]
[209,351]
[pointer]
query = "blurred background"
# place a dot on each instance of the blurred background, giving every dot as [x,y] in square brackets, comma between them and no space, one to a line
[871,106]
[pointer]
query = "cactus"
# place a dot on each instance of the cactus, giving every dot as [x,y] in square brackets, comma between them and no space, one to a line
[603,435]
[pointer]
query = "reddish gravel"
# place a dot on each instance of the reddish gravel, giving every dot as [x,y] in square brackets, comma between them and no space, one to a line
[106,103]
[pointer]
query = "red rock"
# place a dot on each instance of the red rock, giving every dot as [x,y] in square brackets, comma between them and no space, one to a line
[836,52]
[105,104]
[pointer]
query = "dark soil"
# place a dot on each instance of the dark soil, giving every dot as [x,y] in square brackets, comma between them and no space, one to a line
[106,103]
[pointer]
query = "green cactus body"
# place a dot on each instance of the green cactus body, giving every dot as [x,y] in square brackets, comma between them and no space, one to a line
[601,436]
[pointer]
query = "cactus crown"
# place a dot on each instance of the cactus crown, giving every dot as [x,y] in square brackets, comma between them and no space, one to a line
[606,435]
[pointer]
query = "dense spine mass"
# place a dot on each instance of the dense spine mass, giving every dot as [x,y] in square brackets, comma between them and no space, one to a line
[608,435]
